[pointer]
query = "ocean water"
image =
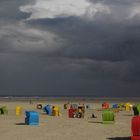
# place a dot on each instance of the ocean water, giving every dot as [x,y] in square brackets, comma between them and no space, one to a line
[45,98]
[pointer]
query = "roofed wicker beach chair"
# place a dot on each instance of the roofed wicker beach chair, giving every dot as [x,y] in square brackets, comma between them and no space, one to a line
[3,110]
[135,128]
[108,117]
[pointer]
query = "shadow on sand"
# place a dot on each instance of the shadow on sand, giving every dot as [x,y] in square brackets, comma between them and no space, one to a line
[20,123]
[43,113]
[119,138]
[128,115]
[94,122]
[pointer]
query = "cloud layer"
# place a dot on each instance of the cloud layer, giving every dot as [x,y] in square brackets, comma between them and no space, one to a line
[63,8]
[21,39]
[70,48]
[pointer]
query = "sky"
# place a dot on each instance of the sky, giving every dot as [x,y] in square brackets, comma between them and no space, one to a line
[70,48]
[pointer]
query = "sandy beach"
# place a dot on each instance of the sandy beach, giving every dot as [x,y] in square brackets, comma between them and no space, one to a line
[63,128]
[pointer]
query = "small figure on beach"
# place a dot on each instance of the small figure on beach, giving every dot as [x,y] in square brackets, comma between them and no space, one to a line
[93,116]
[31,102]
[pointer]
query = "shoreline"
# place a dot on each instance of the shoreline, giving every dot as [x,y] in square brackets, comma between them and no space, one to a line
[69,99]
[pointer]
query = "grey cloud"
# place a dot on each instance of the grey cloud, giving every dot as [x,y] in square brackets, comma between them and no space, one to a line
[9,10]
[19,38]
[114,2]
[53,76]
[100,40]
[93,40]
[71,56]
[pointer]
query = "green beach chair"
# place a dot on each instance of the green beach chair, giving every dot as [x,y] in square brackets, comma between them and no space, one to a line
[3,110]
[136,109]
[65,106]
[120,106]
[108,117]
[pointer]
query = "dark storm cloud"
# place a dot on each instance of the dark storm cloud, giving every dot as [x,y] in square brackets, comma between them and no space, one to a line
[93,40]
[83,56]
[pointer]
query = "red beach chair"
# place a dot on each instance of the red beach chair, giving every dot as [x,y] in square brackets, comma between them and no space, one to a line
[71,111]
[105,105]
[135,128]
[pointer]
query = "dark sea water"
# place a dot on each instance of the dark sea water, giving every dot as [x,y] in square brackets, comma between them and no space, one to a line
[97,99]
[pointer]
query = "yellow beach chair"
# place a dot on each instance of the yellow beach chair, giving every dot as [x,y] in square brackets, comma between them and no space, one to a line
[18,110]
[128,106]
[56,111]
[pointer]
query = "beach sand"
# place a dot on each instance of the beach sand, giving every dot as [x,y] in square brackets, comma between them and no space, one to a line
[63,128]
